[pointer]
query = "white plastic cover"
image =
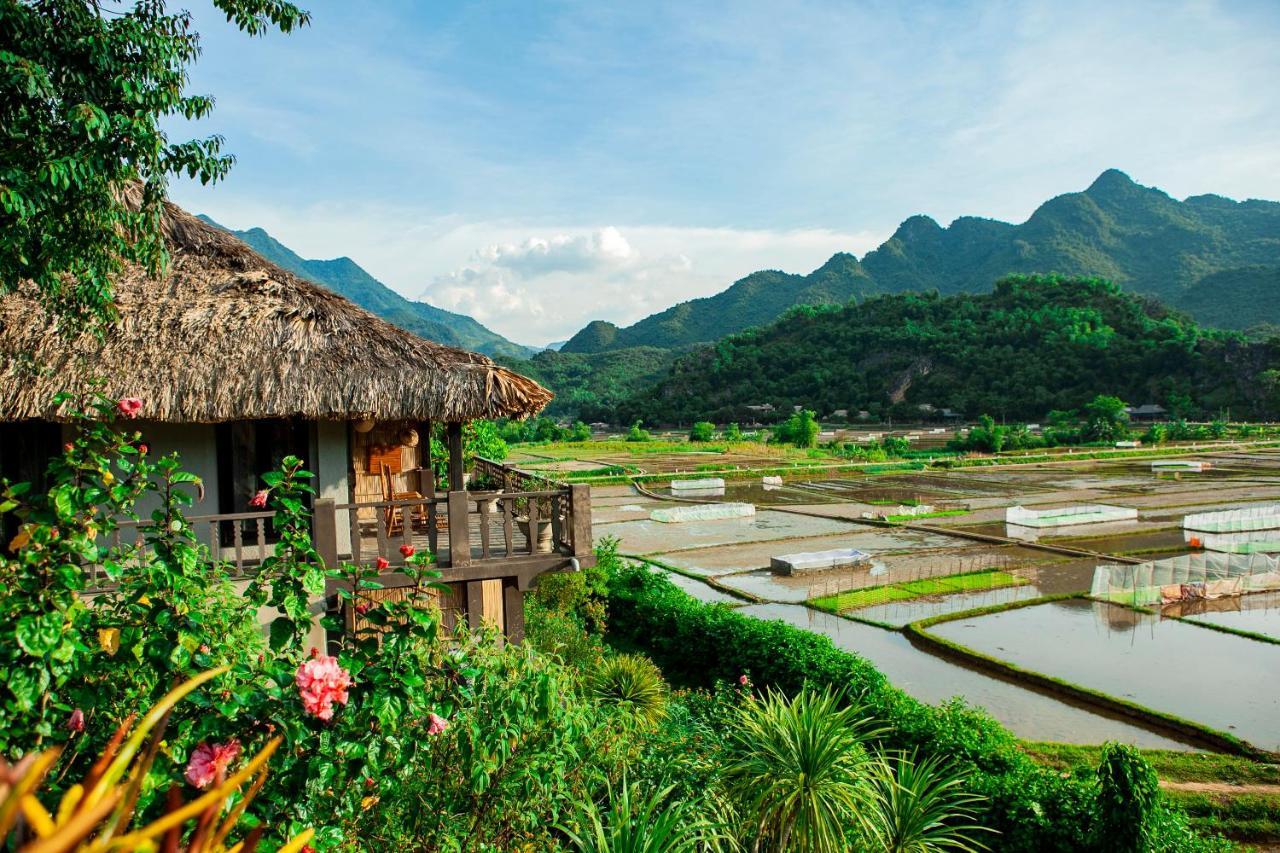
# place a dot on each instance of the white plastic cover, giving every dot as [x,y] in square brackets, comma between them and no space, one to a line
[1068,515]
[702,512]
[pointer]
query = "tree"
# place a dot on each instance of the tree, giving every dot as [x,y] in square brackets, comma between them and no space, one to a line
[801,430]
[702,431]
[636,433]
[733,432]
[479,438]
[580,432]
[84,163]
[1106,419]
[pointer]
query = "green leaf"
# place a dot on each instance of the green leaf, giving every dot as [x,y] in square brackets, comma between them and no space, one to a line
[281,632]
[38,635]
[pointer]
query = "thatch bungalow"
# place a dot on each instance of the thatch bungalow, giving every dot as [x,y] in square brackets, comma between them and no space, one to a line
[240,363]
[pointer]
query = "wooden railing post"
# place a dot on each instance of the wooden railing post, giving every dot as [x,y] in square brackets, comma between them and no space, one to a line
[459,529]
[324,531]
[580,511]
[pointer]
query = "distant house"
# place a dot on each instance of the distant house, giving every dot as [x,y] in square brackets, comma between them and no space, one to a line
[239,363]
[839,415]
[951,415]
[763,408]
[1147,412]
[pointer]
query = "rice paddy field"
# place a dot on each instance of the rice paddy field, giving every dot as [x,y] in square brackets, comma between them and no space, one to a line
[960,564]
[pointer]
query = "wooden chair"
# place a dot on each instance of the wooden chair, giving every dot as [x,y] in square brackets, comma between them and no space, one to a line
[393,517]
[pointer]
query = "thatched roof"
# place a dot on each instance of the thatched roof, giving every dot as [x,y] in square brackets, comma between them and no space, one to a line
[228,335]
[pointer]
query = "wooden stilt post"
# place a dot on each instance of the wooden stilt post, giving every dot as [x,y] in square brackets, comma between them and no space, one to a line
[454,442]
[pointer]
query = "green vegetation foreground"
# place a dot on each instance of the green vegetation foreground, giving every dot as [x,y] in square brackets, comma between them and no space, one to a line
[403,736]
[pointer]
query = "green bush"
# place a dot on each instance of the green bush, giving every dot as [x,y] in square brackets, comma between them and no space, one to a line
[703,431]
[636,433]
[1128,794]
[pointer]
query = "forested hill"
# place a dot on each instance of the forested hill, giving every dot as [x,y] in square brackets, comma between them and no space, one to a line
[1033,344]
[347,278]
[1136,236]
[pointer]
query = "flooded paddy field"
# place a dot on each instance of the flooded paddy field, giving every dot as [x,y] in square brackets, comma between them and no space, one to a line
[1258,613]
[1167,665]
[1028,713]
[1223,681]
[644,536]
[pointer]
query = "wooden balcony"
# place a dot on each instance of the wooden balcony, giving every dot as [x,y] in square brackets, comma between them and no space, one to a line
[486,544]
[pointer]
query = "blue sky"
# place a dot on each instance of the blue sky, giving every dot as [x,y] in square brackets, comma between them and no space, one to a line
[538,165]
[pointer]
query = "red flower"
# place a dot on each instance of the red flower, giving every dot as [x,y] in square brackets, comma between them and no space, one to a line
[743,680]
[210,761]
[75,723]
[259,501]
[143,449]
[129,407]
[436,724]
[204,649]
[68,447]
[321,683]
[382,563]
[362,608]
[369,783]
[407,551]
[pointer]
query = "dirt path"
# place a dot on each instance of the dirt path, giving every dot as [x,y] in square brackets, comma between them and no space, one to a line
[1221,788]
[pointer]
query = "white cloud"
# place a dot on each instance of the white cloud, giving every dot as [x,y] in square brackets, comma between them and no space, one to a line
[562,253]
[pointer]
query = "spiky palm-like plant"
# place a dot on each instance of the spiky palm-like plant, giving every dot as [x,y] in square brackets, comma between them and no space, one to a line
[921,806]
[634,823]
[632,685]
[798,771]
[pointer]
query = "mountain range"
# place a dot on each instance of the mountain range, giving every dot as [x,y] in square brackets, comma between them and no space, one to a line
[347,278]
[1208,255]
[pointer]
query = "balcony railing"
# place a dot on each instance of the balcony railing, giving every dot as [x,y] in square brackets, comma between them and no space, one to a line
[474,535]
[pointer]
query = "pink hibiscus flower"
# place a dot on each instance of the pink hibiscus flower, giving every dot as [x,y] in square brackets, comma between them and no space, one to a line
[407,551]
[129,407]
[210,761]
[382,563]
[436,724]
[75,723]
[322,682]
[259,501]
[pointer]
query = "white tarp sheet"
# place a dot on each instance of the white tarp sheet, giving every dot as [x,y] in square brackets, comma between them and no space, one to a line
[1068,515]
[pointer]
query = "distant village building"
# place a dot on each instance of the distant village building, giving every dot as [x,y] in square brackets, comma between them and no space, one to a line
[763,408]
[1147,412]
[839,415]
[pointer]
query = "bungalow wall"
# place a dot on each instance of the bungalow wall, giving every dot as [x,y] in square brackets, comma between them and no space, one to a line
[383,444]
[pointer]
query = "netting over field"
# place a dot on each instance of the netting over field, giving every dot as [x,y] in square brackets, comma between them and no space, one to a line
[1234,520]
[1067,515]
[702,512]
[1244,542]
[1186,578]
